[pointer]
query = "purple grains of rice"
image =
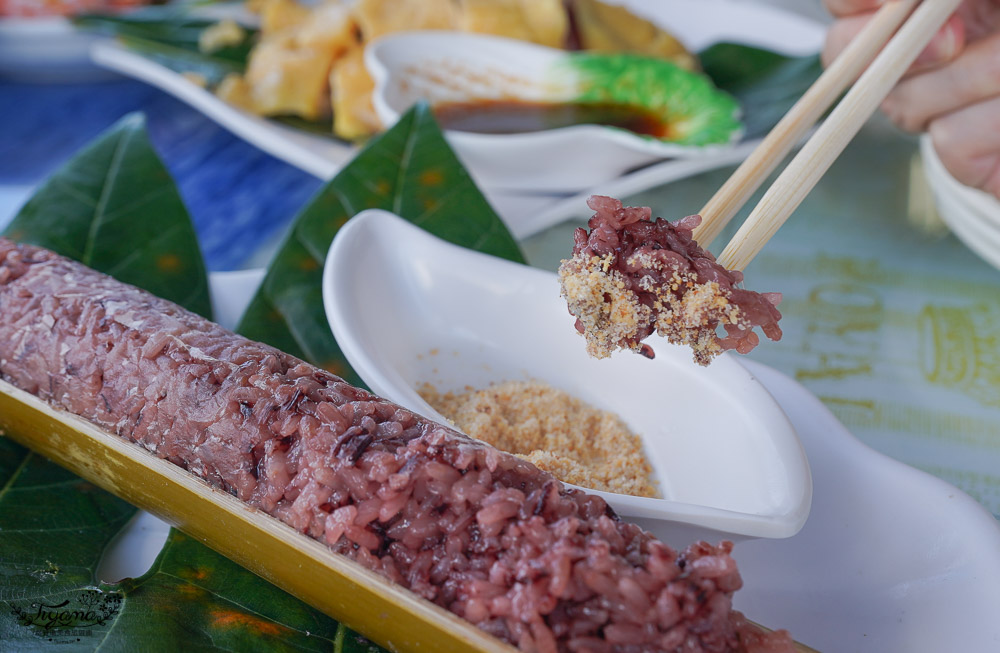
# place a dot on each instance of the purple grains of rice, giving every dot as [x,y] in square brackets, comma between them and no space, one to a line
[477,531]
[631,276]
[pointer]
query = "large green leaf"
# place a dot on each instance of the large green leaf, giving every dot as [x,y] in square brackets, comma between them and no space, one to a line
[115,208]
[765,83]
[409,170]
[175,25]
[56,527]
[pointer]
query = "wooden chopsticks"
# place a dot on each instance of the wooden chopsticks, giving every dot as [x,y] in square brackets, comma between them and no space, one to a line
[811,106]
[830,139]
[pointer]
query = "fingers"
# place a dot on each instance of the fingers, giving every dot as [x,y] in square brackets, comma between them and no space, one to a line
[971,78]
[840,34]
[968,144]
[946,45]
[841,8]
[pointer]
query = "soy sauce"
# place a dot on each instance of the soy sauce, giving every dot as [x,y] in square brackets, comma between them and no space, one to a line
[512,116]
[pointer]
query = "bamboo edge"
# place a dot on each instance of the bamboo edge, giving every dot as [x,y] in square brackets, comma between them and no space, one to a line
[383,611]
[293,561]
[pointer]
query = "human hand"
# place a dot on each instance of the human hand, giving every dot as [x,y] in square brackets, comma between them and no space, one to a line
[952,91]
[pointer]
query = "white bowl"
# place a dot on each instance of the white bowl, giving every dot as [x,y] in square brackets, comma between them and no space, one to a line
[971,214]
[408,308]
[440,66]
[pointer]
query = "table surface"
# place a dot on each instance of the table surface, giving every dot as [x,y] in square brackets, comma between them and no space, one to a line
[892,322]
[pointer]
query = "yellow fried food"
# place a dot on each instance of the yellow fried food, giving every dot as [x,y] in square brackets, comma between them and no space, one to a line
[234,90]
[278,15]
[351,94]
[379,17]
[540,21]
[289,71]
[611,28]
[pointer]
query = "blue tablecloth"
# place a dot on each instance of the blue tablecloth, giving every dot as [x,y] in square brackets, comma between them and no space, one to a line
[238,196]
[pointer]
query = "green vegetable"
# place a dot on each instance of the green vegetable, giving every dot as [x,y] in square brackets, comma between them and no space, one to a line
[695,112]
[169,36]
[409,170]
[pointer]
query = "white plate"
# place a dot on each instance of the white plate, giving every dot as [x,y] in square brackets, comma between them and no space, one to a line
[697,22]
[46,49]
[892,560]
[492,320]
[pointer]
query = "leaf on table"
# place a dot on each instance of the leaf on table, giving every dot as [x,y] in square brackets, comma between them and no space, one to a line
[765,83]
[55,527]
[195,596]
[409,170]
[115,208]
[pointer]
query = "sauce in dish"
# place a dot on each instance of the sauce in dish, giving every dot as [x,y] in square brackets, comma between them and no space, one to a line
[516,116]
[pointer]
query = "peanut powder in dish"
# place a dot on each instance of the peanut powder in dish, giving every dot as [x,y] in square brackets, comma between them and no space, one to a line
[553,430]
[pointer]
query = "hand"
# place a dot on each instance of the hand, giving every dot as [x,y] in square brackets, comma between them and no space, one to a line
[952,91]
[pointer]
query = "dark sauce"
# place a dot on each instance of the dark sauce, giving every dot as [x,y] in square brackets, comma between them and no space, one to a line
[512,116]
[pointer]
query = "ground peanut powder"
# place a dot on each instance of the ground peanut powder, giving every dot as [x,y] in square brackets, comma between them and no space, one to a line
[555,431]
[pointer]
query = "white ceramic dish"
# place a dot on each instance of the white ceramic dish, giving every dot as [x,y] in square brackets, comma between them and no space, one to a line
[891,560]
[972,215]
[491,320]
[697,22]
[437,67]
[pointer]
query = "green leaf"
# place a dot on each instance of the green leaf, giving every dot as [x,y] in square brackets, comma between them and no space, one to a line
[409,170]
[765,83]
[695,112]
[55,527]
[115,208]
[196,596]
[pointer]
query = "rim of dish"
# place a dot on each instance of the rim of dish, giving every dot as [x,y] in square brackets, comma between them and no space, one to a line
[383,76]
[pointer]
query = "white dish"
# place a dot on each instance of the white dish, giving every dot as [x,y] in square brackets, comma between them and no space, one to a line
[697,22]
[891,560]
[492,321]
[437,66]
[318,155]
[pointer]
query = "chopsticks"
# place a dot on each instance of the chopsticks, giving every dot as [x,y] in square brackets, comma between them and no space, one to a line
[831,138]
[811,106]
